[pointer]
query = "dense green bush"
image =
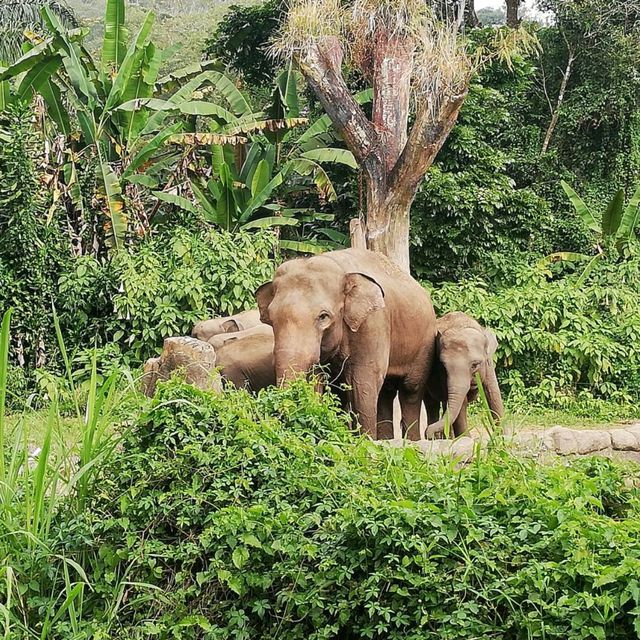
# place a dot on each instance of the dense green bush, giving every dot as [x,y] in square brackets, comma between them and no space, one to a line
[229,516]
[175,279]
[559,336]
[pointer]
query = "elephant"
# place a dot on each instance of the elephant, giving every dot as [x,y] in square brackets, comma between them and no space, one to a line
[463,348]
[363,318]
[221,339]
[206,329]
[247,360]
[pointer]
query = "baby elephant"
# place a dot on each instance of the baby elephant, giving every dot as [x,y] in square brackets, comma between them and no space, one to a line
[247,361]
[463,348]
[206,329]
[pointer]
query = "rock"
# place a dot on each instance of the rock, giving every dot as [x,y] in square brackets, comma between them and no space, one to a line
[592,441]
[562,441]
[625,440]
[462,448]
[150,376]
[194,359]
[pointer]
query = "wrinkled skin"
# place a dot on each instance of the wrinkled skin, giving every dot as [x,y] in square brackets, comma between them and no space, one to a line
[247,360]
[221,339]
[206,329]
[366,321]
[463,348]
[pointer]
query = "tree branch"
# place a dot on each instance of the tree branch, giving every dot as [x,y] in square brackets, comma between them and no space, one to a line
[321,65]
[425,140]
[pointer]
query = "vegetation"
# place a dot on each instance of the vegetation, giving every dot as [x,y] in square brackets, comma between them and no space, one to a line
[143,188]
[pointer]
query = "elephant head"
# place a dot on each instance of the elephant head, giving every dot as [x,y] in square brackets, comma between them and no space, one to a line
[464,352]
[311,304]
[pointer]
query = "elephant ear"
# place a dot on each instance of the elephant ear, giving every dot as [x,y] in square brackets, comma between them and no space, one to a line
[264,297]
[363,295]
[491,343]
[231,326]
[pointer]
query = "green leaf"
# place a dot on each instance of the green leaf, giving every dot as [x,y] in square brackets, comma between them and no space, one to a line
[130,65]
[302,247]
[201,108]
[240,556]
[115,204]
[613,215]
[176,200]
[630,218]
[581,208]
[260,177]
[30,59]
[149,149]
[37,76]
[306,167]
[340,156]
[114,45]
[262,196]
[52,97]
[271,221]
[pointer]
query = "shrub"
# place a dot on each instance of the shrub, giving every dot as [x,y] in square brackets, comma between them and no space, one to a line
[178,278]
[559,337]
[228,516]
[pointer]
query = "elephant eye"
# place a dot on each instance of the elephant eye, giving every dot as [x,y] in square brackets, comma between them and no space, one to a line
[475,364]
[324,317]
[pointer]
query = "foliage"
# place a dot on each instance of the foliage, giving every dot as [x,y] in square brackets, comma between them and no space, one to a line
[243,38]
[31,250]
[234,516]
[18,16]
[560,334]
[176,279]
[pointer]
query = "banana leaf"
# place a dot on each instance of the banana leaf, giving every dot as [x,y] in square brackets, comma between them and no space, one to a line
[271,221]
[130,64]
[56,109]
[176,200]
[115,204]
[581,208]
[114,46]
[630,219]
[260,177]
[37,76]
[613,215]
[302,247]
[340,156]
[306,167]
[149,149]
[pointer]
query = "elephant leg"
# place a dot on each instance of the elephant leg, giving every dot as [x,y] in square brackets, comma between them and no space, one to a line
[459,427]
[363,398]
[385,412]
[433,409]
[411,405]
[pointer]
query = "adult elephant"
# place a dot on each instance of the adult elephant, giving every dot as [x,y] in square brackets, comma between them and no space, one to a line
[463,349]
[206,329]
[247,360]
[368,321]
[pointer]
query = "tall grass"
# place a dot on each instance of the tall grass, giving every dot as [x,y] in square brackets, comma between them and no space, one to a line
[35,482]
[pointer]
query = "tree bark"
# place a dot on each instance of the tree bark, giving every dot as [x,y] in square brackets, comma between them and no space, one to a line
[393,161]
[512,13]
[556,112]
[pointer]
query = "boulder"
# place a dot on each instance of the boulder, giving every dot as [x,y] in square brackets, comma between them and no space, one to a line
[194,359]
[625,439]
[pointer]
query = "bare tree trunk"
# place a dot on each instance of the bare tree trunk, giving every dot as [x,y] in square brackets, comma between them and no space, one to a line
[556,112]
[357,235]
[512,13]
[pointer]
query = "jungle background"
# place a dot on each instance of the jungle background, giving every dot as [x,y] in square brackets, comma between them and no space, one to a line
[128,215]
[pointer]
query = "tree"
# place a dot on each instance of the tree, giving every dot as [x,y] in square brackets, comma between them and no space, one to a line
[16,16]
[513,20]
[409,57]
[491,16]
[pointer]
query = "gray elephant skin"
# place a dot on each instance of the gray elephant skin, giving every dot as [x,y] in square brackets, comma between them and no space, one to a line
[206,329]
[463,348]
[246,360]
[365,320]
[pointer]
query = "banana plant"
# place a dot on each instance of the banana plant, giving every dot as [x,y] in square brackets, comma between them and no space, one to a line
[96,94]
[615,227]
[253,184]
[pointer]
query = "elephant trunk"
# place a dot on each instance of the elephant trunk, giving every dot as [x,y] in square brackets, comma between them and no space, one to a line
[294,354]
[494,397]
[456,395]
